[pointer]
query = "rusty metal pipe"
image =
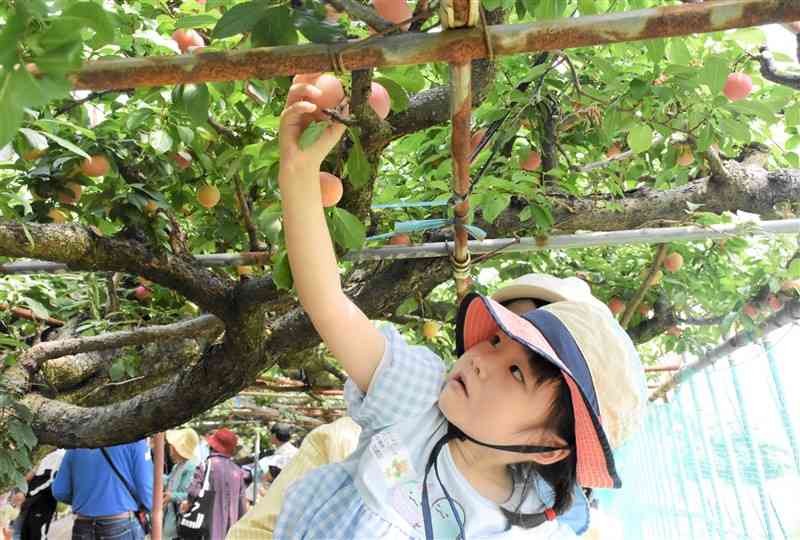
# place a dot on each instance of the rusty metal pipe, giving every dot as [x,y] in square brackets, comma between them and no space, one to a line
[453,46]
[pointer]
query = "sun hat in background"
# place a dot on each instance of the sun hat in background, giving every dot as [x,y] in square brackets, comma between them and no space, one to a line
[184,441]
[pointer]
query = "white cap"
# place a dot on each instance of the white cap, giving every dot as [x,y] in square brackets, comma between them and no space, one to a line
[548,288]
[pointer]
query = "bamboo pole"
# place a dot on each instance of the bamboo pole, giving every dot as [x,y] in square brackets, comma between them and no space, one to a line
[506,245]
[456,46]
[459,14]
[158,486]
[648,282]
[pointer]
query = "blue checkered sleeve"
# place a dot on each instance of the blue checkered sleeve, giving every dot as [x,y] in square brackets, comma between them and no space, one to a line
[407,383]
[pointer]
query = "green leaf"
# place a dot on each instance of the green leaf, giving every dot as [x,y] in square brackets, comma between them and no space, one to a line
[10,37]
[715,72]
[21,433]
[65,144]
[160,141]
[409,305]
[196,102]
[315,28]
[792,115]
[587,7]
[494,204]
[38,309]
[655,49]
[186,135]
[358,167]
[312,133]
[117,370]
[276,28]
[397,93]
[736,129]
[96,18]
[640,138]
[195,21]
[678,52]
[269,223]
[238,19]
[348,231]
[541,215]
[282,272]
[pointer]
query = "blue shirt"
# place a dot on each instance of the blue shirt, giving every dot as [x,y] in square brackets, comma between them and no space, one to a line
[87,482]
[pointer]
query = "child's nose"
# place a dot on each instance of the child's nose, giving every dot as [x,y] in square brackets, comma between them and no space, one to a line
[483,366]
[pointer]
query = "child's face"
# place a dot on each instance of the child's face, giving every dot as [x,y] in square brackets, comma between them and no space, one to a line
[494,397]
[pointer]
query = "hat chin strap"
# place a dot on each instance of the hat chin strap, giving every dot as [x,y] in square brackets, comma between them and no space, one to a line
[453,432]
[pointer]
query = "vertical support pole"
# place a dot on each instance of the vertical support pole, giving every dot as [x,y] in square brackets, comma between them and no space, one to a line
[256,468]
[730,455]
[780,399]
[459,14]
[158,486]
[752,449]
[717,521]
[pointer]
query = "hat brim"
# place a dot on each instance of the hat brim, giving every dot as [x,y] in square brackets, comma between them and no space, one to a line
[479,318]
[534,292]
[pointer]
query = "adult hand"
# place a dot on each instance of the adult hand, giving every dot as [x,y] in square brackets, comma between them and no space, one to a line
[184,507]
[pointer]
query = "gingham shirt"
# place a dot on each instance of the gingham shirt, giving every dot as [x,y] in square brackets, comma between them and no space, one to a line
[367,495]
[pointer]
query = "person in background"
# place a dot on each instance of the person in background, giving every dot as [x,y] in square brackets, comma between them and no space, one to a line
[284,450]
[39,506]
[182,444]
[102,505]
[9,512]
[227,481]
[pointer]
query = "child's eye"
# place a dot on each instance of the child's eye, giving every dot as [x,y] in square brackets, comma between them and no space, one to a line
[494,340]
[517,374]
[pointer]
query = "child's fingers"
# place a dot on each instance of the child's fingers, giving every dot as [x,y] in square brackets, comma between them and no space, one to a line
[292,114]
[302,92]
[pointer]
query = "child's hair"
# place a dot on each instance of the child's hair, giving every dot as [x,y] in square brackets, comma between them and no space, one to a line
[561,475]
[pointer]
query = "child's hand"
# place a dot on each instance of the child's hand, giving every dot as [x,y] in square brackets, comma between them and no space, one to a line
[296,116]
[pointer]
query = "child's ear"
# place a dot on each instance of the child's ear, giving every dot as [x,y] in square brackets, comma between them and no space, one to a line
[548,458]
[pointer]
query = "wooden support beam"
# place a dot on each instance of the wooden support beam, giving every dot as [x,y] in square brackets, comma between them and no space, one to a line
[452,46]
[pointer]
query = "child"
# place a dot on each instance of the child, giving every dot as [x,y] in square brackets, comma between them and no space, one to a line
[451,456]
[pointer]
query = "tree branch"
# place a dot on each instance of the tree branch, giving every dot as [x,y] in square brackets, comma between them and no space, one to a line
[81,249]
[788,315]
[361,12]
[648,282]
[33,358]
[770,72]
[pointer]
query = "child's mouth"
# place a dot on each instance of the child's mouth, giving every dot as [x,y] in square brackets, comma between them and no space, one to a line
[460,381]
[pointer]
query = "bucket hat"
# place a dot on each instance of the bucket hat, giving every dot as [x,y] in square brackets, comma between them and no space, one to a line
[597,359]
[223,441]
[184,441]
[548,288]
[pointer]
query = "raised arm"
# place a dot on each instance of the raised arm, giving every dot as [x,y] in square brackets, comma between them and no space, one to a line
[348,333]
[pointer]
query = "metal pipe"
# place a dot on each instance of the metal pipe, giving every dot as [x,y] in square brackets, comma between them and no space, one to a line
[481,247]
[456,46]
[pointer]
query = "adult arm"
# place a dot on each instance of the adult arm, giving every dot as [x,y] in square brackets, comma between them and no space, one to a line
[197,480]
[62,485]
[348,333]
[143,473]
[180,490]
